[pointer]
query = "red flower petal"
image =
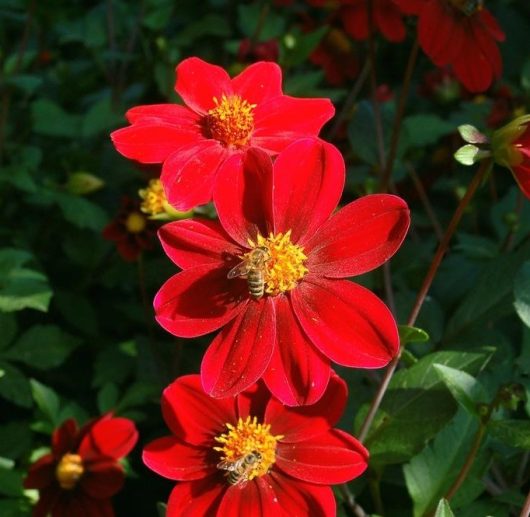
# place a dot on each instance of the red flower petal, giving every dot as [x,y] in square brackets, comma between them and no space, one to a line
[298,373]
[199,300]
[242,195]
[195,499]
[387,18]
[197,242]
[174,459]
[42,473]
[491,24]
[102,479]
[179,116]
[114,437]
[301,423]
[188,175]
[82,505]
[355,20]
[64,438]
[280,121]
[258,82]
[239,355]
[347,322]
[360,237]
[253,401]
[199,82]
[521,174]
[473,69]
[299,498]
[410,6]
[333,457]
[152,141]
[192,415]
[308,181]
[47,500]
[256,499]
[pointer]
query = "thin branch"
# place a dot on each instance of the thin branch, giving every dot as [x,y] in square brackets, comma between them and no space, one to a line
[349,499]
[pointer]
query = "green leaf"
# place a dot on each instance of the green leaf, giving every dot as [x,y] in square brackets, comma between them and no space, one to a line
[15,439]
[100,118]
[430,474]
[300,45]
[8,324]
[521,292]
[107,397]
[14,508]
[25,82]
[515,433]
[47,401]
[138,394]
[51,120]
[14,386]
[80,211]
[161,508]
[11,483]
[43,347]
[417,405]
[422,130]
[466,390]
[408,334]
[21,288]
[443,509]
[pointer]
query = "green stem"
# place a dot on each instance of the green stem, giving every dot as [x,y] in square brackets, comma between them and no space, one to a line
[484,168]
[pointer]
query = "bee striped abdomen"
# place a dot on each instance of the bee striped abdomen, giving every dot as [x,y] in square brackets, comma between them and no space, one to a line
[256,283]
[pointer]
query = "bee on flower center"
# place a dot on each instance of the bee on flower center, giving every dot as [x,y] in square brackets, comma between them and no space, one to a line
[238,472]
[253,268]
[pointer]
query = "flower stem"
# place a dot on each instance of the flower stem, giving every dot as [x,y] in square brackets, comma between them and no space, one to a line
[349,500]
[525,512]
[481,173]
[396,129]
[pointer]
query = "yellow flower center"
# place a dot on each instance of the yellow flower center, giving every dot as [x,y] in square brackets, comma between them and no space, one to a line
[231,121]
[154,198]
[248,450]
[135,222]
[468,7]
[69,471]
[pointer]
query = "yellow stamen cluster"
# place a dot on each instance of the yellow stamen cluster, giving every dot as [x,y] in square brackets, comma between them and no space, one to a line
[69,471]
[153,198]
[231,121]
[468,7]
[247,437]
[135,222]
[285,268]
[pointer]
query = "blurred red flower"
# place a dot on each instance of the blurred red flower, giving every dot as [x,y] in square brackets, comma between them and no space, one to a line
[130,230]
[308,314]
[222,117]
[82,473]
[282,459]
[461,33]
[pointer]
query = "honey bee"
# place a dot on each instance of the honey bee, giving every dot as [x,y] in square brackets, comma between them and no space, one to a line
[239,470]
[253,268]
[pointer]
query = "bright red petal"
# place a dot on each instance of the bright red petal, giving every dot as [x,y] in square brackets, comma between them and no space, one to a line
[198,83]
[242,195]
[347,322]
[360,237]
[298,373]
[173,459]
[299,498]
[197,242]
[256,499]
[280,121]
[239,355]
[188,175]
[258,82]
[114,437]
[199,300]
[102,479]
[308,179]
[42,473]
[151,141]
[64,438]
[195,498]
[192,415]
[301,423]
[179,116]
[333,457]
[253,401]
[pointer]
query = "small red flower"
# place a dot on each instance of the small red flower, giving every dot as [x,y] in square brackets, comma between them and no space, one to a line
[82,473]
[249,455]
[511,148]
[130,230]
[222,117]
[461,33]
[278,220]
[249,51]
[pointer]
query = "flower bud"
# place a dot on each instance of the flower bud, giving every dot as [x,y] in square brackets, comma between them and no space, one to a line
[81,183]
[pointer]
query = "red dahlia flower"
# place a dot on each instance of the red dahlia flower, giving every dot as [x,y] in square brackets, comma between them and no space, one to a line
[511,148]
[222,117]
[249,455]
[306,313]
[461,33]
[82,473]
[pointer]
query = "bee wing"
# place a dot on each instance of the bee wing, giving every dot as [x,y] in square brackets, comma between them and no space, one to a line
[227,465]
[241,269]
[241,482]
